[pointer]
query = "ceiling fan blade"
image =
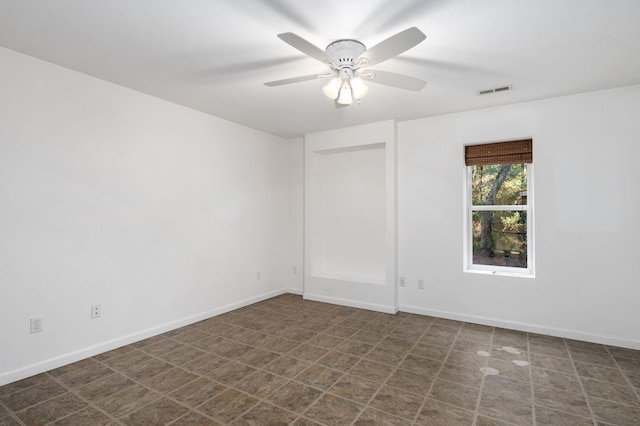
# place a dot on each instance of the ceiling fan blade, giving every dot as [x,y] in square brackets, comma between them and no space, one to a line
[296,79]
[442,65]
[305,47]
[395,80]
[393,46]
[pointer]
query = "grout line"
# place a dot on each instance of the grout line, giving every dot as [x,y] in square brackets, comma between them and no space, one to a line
[584,392]
[395,368]
[476,412]
[14,416]
[163,394]
[533,394]
[635,390]
[232,386]
[77,394]
[292,379]
[435,377]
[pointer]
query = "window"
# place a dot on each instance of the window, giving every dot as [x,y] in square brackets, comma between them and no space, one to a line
[499,208]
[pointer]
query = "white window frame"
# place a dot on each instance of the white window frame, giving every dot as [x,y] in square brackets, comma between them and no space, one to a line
[469,266]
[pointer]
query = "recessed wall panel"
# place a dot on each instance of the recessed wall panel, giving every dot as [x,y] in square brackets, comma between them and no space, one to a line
[351,236]
[350,217]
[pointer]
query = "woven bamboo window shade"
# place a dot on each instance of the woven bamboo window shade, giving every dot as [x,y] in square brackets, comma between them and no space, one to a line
[499,153]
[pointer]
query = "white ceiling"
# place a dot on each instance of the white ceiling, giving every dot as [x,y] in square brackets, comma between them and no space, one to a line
[215,55]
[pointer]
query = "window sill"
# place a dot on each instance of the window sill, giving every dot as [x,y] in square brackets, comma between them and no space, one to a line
[500,272]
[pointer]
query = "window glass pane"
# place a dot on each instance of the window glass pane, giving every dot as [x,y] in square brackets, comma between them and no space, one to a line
[499,184]
[500,238]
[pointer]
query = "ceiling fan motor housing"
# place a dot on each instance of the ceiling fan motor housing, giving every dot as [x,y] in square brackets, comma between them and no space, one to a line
[345,52]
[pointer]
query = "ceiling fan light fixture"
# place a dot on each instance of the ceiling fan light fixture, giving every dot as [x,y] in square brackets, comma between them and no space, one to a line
[359,88]
[332,89]
[345,97]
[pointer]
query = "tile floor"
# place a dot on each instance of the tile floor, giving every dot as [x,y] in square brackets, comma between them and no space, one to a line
[289,361]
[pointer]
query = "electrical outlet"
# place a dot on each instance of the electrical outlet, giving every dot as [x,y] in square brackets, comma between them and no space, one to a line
[421,284]
[402,282]
[294,270]
[36,325]
[96,311]
[258,275]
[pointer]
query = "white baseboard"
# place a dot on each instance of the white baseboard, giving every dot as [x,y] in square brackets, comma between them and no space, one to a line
[68,358]
[351,303]
[529,328]
[297,291]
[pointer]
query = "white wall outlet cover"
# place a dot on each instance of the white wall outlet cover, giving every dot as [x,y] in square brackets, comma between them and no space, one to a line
[36,324]
[96,311]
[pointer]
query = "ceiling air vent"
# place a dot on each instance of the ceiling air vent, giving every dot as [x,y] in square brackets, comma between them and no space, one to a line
[495,90]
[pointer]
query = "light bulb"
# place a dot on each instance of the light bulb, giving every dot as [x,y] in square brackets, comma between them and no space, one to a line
[359,88]
[345,94]
[332,89]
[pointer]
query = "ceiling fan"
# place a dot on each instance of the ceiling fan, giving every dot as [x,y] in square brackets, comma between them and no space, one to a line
[349,62]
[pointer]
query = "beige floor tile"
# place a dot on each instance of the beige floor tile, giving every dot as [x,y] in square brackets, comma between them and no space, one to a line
[355,389]
[561,400]
[261,384]
[597,372]
[265,414]
[86,375]
[86,416]
[436,413]
[561,365]
[372,417]
[506,409]
[333,410]
[308,352]
[418,364]
[197,392]
[228,405]
[52,409]
[455,394]
[464,376]
[546,416]
[371,370]
[397,402]
[287,366]
[295,397]
[128,400]
[338,361]
[195,419]
[103,388]
[169,381]
[231,373]
[161,411]
[614,413]
[43,390]
[319,377]
[410,381]
[507,387]
[147,369]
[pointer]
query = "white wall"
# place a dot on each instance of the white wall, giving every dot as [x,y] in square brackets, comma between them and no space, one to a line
[161,214]
[587,204]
